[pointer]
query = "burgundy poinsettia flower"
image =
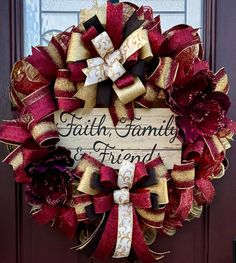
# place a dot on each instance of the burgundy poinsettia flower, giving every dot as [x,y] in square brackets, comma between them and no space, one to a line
[201,110]
[50,179]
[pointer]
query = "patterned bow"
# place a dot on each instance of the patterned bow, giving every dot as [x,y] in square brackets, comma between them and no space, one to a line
[110,63]
[135,190]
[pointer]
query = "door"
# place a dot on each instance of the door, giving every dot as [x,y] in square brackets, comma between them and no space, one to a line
[206,240]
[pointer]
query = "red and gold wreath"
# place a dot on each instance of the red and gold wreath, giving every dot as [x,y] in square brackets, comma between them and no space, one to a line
[118,57]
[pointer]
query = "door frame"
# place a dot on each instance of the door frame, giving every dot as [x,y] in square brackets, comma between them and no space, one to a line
[11,50]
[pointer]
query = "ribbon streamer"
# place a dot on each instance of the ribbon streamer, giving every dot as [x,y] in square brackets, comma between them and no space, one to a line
[125,210]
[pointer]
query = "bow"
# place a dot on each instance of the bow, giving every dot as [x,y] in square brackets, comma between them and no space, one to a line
[106,73]
[110,63]
[134,192]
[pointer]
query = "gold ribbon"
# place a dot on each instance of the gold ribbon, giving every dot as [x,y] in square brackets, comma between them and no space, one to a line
[131,92]
[76,50]
[151,218]
[87,13]
[88,95]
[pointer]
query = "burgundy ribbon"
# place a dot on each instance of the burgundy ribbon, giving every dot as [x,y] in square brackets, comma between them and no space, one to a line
[65,218]
[114,24]
[64,90]
[183,176]
[22,156]
[43,63]
[33,129]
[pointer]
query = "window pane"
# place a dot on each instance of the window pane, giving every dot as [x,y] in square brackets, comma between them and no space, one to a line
[57,22]
[43,18]
[168,20]
[31,24]
[162,5]
[193,14]
[67,5]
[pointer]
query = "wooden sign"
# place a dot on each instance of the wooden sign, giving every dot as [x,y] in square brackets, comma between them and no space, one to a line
[150,134]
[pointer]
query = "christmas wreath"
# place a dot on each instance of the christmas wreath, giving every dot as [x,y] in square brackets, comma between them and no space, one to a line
[118,57]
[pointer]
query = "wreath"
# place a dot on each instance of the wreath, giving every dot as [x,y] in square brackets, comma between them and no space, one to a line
[118,57]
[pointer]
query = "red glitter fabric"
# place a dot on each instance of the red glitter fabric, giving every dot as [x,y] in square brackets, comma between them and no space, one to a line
[104,248]
[114,24]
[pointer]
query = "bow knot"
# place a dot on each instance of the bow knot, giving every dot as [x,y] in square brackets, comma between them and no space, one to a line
[126,175]
[121,196]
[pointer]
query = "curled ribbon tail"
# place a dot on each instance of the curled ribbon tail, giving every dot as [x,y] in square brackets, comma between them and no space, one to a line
[183,176]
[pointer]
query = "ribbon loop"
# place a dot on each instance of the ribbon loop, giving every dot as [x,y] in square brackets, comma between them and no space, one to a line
[184,175]
[103,44]
[126,175]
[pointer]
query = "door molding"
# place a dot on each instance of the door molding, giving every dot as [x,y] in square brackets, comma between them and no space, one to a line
[11,50]
[11,31]
[209,31]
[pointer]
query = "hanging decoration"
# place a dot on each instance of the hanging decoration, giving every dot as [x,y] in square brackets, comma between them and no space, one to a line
[118,58]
